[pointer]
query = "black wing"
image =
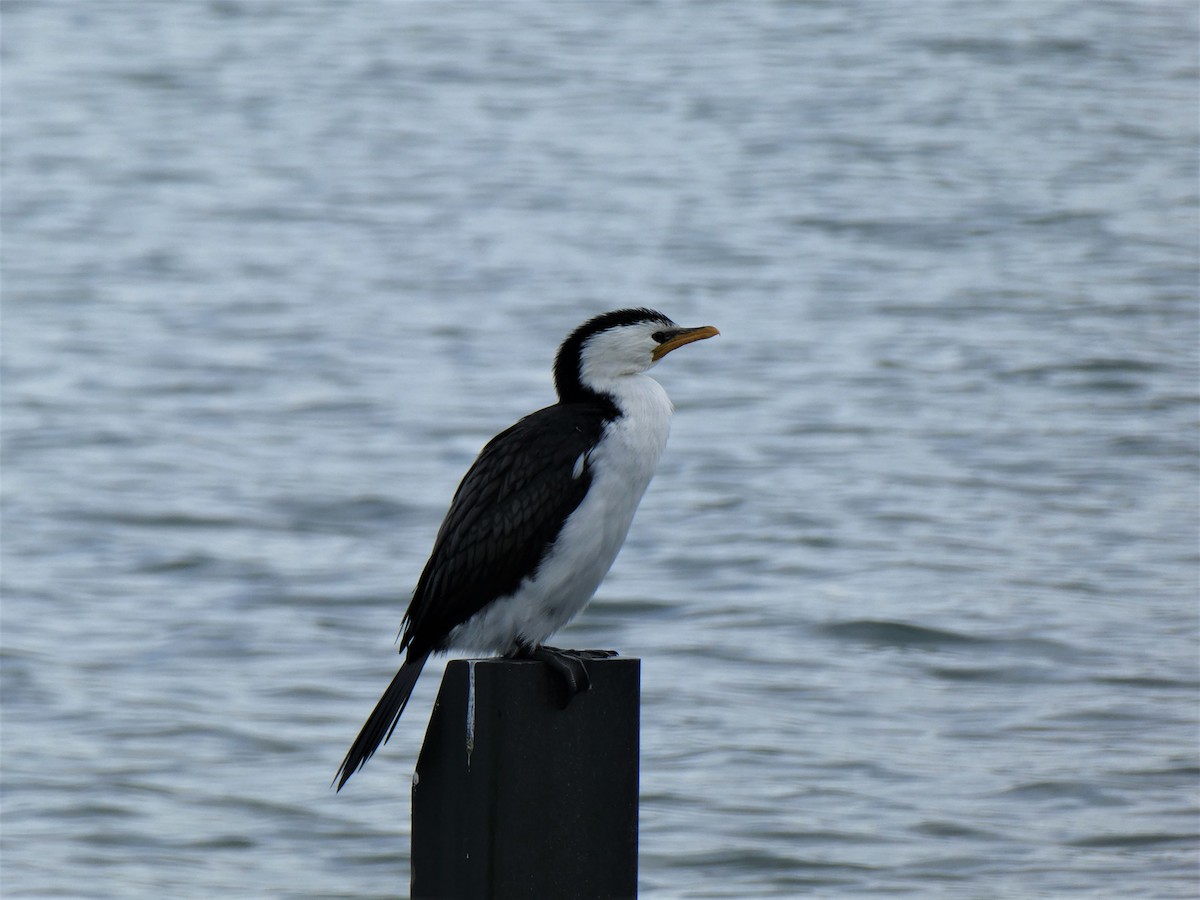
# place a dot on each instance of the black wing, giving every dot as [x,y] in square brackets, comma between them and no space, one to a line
[505,515]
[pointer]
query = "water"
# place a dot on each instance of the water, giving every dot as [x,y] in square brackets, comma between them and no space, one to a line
[916,586]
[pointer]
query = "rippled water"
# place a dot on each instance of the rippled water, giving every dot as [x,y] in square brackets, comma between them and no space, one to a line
[916,587]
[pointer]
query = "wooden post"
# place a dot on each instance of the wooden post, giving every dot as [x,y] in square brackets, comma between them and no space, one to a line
[516,797]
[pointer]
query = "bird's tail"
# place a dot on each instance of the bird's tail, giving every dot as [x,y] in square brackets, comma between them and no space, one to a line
[383,719]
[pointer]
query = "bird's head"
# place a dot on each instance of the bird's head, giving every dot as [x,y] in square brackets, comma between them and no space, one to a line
[615,344]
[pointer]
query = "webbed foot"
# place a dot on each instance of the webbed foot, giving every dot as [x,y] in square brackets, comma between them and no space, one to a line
[568,664]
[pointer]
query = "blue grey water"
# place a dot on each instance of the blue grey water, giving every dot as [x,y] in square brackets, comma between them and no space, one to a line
[916,586]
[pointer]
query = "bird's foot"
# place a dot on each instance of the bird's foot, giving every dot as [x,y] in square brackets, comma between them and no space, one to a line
[588,654]
[568,664]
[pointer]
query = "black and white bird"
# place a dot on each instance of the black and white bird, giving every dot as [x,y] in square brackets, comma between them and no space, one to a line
[540,516]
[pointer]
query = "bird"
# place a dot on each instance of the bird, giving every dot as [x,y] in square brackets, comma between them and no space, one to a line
[541,514]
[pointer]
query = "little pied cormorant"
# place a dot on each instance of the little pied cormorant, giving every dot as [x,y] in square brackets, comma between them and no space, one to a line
[540,516]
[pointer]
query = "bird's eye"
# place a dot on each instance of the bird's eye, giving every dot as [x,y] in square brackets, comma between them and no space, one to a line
[659,336]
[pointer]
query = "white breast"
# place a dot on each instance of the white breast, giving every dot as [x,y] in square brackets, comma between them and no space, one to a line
[621,464]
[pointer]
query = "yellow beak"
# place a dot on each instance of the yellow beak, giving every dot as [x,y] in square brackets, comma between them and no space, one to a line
[681,337]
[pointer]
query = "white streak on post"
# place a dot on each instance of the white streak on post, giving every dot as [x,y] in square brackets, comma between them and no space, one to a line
[470,709]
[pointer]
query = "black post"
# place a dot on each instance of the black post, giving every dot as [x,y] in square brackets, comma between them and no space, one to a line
[516,797]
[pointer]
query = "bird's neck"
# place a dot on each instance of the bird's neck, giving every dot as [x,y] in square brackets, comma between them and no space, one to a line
[637,398]
[633,441]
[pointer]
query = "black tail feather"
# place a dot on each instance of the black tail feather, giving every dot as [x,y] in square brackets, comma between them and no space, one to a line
[383,719]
